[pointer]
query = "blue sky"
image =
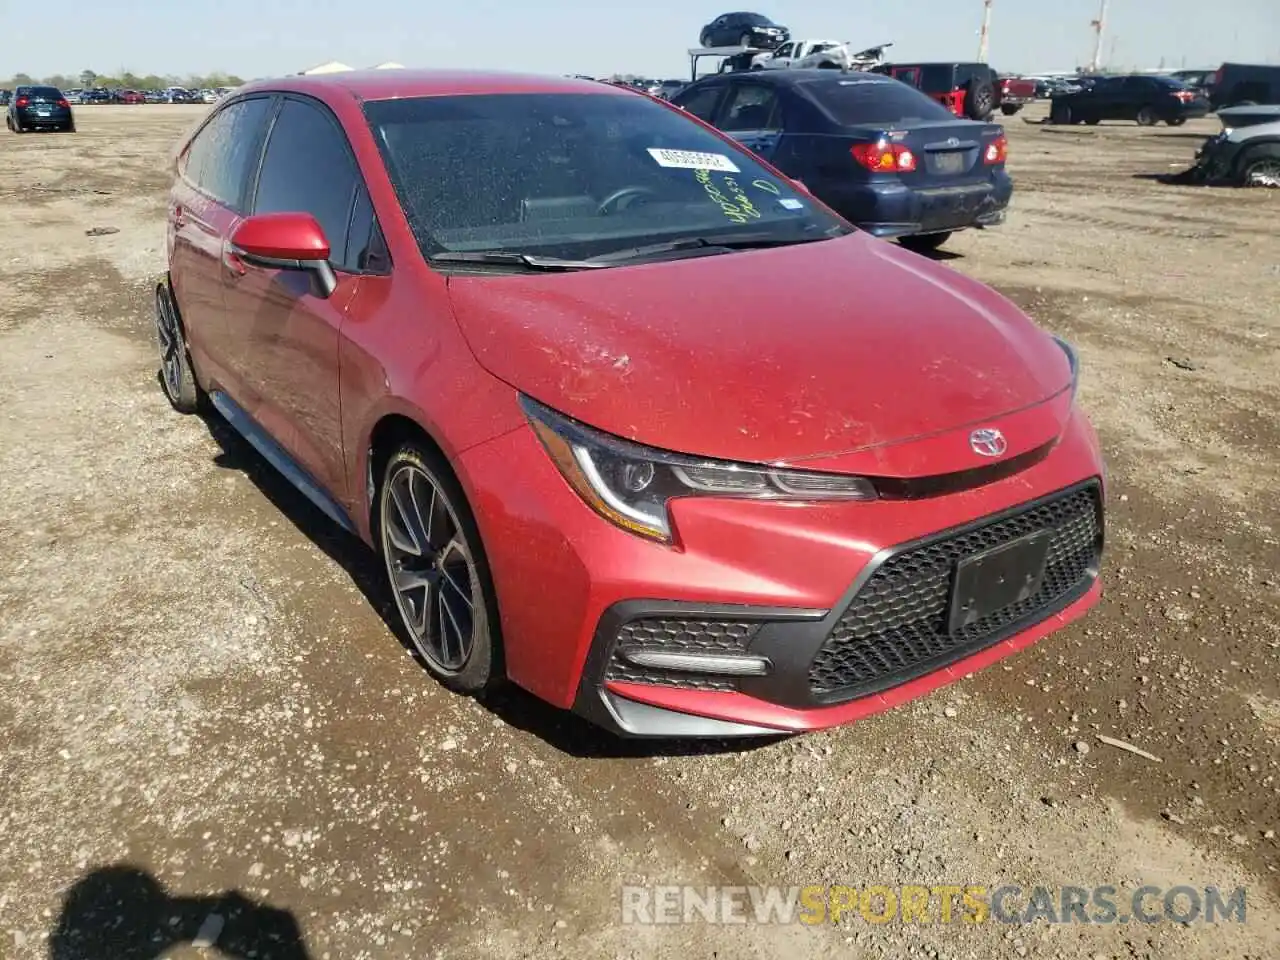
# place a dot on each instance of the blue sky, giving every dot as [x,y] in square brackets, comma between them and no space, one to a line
[266,37]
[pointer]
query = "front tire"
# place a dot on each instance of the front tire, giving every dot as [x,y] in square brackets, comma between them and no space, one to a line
[744,40]
[437,571]
[1009,109]
[1060,114]
[925,242]
[176,373]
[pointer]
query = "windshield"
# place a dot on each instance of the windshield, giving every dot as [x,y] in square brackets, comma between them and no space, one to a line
[576,175]
[754,20]
[857,102]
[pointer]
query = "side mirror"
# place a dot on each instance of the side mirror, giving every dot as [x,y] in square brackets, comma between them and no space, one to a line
[286,241]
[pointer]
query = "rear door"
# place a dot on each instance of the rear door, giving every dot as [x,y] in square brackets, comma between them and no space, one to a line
[751,113]
[205,205]
[287,335]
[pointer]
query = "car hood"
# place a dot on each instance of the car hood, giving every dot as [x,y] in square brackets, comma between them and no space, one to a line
[804,352]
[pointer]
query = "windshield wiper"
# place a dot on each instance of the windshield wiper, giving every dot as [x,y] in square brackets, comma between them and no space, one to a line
[507,258]
[724,241]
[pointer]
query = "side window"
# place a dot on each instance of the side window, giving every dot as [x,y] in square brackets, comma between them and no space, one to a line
[751,106]
[702,103]
[307,168]
[782,51]
[366,251]
[234,138]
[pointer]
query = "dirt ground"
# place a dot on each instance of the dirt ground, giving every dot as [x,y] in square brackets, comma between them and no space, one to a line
[205,718]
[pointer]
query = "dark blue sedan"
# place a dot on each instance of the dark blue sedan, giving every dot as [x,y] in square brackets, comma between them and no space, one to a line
[37,108]
[880,153]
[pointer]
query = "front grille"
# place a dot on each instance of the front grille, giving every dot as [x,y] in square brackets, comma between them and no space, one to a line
[678,636]
[897,626]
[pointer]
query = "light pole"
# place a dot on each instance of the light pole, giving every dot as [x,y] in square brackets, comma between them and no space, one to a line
[1099,26]
[984,35]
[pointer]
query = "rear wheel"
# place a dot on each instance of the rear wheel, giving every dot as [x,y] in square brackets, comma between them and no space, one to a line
[1060,113]
[1093,121]
[925,242]
[176,374]
[437,570]
[1147,117]
[1176,121]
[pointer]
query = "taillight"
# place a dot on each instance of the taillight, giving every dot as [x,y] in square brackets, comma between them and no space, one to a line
[1186,96]
[21,102]
[884,157]
[63,102]
[997,150]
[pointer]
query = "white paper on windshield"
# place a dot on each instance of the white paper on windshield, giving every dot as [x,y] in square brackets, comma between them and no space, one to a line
[692,160]
[790,204]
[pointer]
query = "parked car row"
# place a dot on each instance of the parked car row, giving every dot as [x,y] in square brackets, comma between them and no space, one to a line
[99,95]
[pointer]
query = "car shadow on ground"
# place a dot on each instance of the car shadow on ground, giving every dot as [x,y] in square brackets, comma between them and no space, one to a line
[564,731]
[1182,179]
[121,912]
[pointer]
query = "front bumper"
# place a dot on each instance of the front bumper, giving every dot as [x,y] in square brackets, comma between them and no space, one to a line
[897,210]
[796,587]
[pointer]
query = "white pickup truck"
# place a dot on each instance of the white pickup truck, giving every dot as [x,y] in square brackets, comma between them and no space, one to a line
[803,53]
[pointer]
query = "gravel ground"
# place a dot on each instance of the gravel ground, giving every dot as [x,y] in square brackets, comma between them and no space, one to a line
[210,733]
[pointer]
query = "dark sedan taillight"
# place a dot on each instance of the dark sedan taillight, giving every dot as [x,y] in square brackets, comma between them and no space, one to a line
[62,102]
[997,150]
[21,102]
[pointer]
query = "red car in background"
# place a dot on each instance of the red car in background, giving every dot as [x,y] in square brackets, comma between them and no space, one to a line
[130,96]
[630,418]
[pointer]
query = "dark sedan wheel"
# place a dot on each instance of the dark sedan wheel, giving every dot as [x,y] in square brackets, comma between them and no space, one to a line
[1176,121]
[1147,117]
[176,375]
[1060,113]
[437,570]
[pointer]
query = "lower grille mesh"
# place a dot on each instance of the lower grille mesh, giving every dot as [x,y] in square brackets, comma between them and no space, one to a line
[896,627]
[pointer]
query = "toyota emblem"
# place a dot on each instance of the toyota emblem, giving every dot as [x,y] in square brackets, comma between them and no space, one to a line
[988,442]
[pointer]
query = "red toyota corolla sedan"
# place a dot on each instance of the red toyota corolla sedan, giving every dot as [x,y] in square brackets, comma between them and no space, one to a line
[630,418]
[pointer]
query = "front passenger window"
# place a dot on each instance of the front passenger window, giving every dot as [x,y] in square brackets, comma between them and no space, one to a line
[308,168]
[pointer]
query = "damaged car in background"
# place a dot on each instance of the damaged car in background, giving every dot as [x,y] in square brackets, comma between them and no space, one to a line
[1246,152]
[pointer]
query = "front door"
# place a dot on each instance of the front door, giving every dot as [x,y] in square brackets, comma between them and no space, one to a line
[288,334]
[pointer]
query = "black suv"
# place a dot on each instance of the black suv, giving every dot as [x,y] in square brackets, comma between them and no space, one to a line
[743,30]
[1243,84]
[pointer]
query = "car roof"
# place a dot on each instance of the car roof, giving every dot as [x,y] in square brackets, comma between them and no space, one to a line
[399,84]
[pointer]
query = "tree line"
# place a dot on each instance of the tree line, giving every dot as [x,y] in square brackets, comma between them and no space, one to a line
[125,80]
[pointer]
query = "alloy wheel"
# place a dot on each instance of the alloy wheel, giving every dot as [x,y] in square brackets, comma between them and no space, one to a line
[430,568]
[171,346]
[1263,173]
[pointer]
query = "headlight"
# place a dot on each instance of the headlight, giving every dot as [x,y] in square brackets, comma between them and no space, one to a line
[1074,360]
[630,485]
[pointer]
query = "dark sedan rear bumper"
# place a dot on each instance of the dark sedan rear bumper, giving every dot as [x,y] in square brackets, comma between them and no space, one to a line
[32,118]
[896,210]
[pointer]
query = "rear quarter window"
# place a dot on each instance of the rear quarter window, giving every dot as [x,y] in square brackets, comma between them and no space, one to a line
[857,102]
